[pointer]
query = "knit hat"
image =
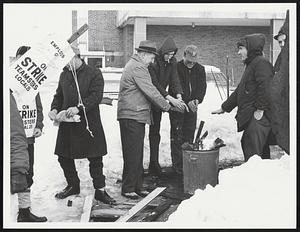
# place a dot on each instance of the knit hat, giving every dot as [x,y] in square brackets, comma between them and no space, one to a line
[21,50]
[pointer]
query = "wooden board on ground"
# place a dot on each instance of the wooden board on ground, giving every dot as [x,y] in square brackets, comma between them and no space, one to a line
[87,207]
[138,207]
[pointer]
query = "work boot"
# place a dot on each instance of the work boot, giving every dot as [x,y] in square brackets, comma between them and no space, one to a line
[142,193]
[101,195]
[26,216]
[155,169]
[68,191]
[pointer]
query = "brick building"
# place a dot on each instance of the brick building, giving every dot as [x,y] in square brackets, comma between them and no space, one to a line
[113,34]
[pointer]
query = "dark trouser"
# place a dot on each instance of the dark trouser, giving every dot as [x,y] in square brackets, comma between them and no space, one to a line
[182,130]
[254,139]
[96,171]
[132,138]
[31,161]
[270,141]
[154,136]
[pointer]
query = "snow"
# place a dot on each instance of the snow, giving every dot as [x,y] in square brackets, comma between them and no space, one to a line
[49,178]
[254,194]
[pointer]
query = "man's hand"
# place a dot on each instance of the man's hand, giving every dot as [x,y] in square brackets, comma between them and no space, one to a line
[37,132]
[177,103]
[179,97]
[219,111]
[52,114]
[193,105]
[173,108]
[71,111]
[258,114]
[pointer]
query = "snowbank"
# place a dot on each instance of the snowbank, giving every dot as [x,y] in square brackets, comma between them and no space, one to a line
[256,194]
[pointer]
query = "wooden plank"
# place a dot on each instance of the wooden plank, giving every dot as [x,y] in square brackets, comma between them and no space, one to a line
[78,33]
[111,212]
[139,206]
[154,214]
[87,207]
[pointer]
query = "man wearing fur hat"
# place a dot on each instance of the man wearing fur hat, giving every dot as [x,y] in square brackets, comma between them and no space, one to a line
[79,92]
[250,97]
[193,82]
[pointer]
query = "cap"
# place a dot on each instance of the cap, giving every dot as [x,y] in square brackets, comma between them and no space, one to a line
[21,50]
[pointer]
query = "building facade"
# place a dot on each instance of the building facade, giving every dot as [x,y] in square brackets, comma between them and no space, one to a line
[113,35]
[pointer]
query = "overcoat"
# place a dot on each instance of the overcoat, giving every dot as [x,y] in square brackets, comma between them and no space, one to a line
[19,159]
[73,139]
[251,93]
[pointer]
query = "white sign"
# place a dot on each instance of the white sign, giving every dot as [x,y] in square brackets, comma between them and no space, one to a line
[40,64]
[28,114]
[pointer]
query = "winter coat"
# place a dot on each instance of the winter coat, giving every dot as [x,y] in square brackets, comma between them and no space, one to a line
[250,94]
[39,117]
[73,139]
[193,81]
[137,92]
[278,63]
[165,74]
[19,158]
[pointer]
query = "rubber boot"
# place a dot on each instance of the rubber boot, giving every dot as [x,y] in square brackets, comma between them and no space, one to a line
[26,216]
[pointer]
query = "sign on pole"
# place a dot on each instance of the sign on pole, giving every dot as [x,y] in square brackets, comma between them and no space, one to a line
[42,63]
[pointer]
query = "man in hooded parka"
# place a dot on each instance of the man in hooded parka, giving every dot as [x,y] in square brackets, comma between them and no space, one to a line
[163,74]
[251,98]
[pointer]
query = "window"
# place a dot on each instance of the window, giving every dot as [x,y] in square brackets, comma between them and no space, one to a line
[95,62]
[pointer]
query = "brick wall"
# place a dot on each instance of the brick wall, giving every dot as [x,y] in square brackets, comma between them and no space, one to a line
[103,33]
[214,43]
[127,42]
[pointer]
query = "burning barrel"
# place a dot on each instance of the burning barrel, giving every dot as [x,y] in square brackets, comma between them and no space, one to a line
[200,167]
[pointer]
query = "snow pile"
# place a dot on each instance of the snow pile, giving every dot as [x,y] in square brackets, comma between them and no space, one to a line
[255,194]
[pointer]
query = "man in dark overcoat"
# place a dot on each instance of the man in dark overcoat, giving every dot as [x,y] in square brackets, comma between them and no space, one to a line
[84,139]
[251,98]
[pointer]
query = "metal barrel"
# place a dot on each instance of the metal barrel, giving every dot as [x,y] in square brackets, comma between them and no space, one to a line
[199,169]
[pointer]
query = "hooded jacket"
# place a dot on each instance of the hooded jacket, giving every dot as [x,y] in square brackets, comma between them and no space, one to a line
[251,93]
[165,74]
[137,92]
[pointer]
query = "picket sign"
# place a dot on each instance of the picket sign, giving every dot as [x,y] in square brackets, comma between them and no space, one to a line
[28,114]
[41,64]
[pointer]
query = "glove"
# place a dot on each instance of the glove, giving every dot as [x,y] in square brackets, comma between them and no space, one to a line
[18,182]
[62,117]
[193,105]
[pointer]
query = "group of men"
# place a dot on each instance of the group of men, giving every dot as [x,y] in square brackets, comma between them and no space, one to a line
[143,97]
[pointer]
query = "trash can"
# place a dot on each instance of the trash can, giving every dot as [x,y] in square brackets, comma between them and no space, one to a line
[199,169]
